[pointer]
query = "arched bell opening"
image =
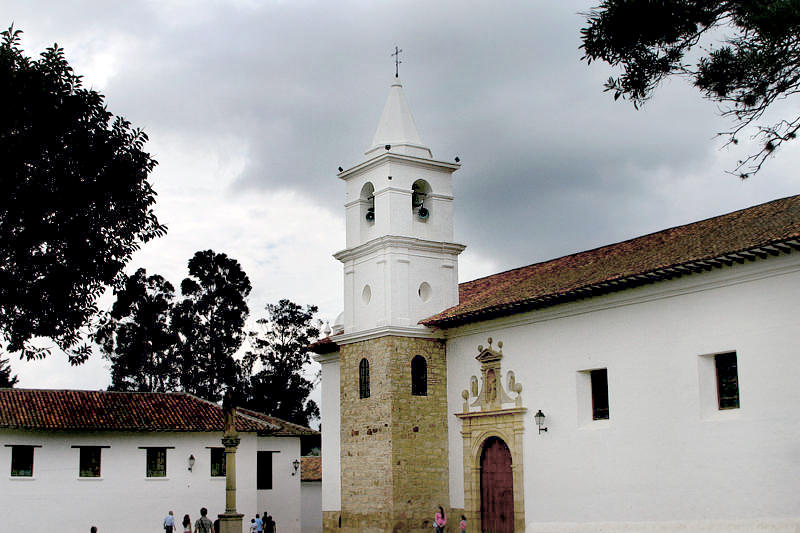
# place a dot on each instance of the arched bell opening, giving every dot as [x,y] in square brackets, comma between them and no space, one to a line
[420,204]
[367,197]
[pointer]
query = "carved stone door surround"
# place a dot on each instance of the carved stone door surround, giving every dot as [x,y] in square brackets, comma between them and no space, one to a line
[490,415]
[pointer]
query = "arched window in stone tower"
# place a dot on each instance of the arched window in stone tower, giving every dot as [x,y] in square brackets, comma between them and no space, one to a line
[363,379]
[419,200]
[419,376]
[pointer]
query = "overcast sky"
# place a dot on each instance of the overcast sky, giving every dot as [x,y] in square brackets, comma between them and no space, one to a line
[252,105]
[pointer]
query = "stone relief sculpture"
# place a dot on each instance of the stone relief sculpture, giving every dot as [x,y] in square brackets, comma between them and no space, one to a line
[492,395]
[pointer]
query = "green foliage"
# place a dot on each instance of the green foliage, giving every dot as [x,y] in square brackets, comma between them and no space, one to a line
[137,337]
[280,350]
[6,379]
[75,202]
[756,63]
[209,322]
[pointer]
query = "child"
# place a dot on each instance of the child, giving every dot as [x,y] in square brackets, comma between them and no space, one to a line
[252,525]
[463,524]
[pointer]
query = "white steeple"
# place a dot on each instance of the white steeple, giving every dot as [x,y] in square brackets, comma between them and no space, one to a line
[400,264]
[397,127]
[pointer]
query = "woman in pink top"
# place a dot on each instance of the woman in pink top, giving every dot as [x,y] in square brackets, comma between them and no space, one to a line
[440,519]
[462,526]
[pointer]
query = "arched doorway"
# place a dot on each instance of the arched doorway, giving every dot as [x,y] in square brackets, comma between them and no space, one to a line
[497,487]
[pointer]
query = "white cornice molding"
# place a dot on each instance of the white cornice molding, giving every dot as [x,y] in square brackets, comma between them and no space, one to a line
[411,243]
[407,159]
[660,290]
[419,332]
[323,358]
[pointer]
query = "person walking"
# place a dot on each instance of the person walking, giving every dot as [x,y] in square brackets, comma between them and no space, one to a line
[203,524]
[462,526]
[440,520]
[187,524]
[169,522]
[259,524]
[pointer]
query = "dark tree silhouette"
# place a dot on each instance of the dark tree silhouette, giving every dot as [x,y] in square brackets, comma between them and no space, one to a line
[137,338]
[6,379]
[755,62]
[75,202]
[280,350]
[210,324]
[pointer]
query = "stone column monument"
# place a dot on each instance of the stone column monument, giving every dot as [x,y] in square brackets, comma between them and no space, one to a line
[230,521]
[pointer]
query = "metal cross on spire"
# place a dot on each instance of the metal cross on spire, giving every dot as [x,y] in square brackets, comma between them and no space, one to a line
[397,61]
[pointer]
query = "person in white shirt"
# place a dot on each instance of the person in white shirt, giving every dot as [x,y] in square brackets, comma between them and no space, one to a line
[169,522]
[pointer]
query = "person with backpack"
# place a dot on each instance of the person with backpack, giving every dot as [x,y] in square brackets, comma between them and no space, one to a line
[203,524]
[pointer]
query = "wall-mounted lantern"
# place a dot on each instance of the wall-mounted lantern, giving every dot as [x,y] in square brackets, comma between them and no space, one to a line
[296,465]
[191,462]
[539,417]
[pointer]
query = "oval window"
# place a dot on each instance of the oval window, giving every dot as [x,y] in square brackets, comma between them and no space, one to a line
[366,294]
[424,291]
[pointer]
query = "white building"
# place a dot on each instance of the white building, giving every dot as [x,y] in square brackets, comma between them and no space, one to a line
[121,461]
[665,369]
[311,494]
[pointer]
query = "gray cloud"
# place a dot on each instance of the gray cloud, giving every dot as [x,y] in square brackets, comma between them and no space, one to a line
[285,92]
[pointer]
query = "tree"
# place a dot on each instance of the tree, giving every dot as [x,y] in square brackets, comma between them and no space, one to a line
[209,322]
[757,63]
[137,337]
[6,379]
[279,387]
[75,201]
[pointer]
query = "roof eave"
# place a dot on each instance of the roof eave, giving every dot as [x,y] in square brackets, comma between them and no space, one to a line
[755,253]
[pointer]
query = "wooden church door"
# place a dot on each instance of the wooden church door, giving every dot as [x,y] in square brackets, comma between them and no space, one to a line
[497,488]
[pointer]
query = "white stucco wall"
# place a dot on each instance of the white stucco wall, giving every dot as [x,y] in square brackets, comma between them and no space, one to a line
[283,501]
[311,510]
[329,414]
[123,495]
[667,458]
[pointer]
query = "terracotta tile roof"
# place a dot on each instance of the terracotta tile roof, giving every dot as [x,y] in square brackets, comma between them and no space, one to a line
[311,468]
[283,427]
[323,346]
[42,409]
[757,232]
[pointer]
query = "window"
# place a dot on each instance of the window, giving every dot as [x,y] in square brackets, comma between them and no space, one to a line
[419,376]
[156,462]
[217,462]
[22,461]
[363,379]
[89,462]
[727,380]
[599,379]
[264,470]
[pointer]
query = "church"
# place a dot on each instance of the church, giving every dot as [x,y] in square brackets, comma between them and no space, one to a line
[647,385]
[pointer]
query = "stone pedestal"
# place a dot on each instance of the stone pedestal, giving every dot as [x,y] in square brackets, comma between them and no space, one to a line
[230,523]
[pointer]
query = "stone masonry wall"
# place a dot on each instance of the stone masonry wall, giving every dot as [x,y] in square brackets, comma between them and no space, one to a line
[394,463]
[419,435]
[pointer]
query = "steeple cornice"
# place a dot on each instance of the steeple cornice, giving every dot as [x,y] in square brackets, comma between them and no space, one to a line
[388,242]
[391,156]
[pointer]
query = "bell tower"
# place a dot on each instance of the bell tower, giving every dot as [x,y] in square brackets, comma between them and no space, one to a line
[400,266]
